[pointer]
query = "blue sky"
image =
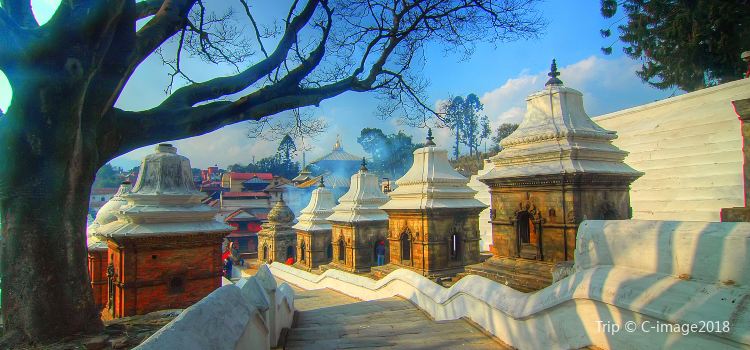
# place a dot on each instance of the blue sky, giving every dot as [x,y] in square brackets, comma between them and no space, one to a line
[502,75]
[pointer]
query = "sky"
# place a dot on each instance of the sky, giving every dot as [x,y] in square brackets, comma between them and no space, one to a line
[501,74]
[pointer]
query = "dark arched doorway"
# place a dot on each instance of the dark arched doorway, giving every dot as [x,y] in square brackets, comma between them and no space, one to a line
[454,250]
[290,252]
[405,247]
[342,251]
[302,251]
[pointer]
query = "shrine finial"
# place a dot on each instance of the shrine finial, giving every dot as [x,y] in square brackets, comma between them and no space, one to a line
[553,74]
[429,138]
[364,165]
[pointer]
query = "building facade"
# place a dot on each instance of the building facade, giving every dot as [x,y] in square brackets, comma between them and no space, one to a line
[277,240]
[556,170]
[314,246]
[164,248]
[358,224]
[433,217]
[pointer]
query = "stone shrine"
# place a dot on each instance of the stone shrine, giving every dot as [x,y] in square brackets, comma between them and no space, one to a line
[277,240]
[314,231]
[358,225]
[433,217]
[164,248]
[556,170]
[97,248]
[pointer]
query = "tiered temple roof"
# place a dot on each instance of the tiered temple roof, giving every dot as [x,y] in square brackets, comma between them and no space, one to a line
[558,137]
[362,201]
[314,216]
[106,215]
[432,183]
[280,220]
[164,201]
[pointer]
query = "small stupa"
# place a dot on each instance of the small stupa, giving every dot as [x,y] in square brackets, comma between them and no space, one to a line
[314,231]
[433,217]
[164,248]
[557,169]
[97,247]
[277,240]
[358,224]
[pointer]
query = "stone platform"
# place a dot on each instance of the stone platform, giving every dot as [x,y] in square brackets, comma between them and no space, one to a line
[521,274]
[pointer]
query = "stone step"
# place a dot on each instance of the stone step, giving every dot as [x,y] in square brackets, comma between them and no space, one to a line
[730,156]
[727,128]
[700,170]
[681,215]
[690,193]
[687,205]
[682,183]
[671,153]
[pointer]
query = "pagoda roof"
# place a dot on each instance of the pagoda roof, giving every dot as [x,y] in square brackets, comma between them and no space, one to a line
[313,216]
[557,137]
[361,203]
[432,183]
[163,202]
[338,154]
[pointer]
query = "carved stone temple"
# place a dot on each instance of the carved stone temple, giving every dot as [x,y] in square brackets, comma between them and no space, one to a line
[314,231]
[433,217]
[557,169]
[277,240]
[164,248]
[358,224]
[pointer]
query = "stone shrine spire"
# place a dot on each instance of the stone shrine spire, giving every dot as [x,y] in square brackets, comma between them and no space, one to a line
[164,201]
[557,136]
[553,74]
[362,200]
[431,182]
[313,216]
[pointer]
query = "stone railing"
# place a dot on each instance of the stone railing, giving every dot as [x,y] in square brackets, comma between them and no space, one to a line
[647,276]
[248,315]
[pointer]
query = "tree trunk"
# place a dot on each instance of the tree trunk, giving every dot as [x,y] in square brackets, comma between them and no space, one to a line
[49,163]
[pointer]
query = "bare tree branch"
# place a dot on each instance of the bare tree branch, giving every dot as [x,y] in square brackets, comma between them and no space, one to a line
[147,8]
[218,87]
[255,27]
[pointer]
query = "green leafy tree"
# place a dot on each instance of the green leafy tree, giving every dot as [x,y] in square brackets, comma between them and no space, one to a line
[108,176]
[286,150]
[503,131]
[454,119]
[391,155]
[687,44]
[475,127]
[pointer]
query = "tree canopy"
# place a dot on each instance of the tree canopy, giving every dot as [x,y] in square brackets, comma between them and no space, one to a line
[391,155]
[66,75]
[684,44]
[462,116]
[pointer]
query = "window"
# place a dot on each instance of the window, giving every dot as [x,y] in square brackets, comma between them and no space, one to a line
[405,246]
[176,285]
[342,252]
[455,245]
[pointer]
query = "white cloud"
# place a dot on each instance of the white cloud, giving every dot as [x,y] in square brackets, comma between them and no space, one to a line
[607,85]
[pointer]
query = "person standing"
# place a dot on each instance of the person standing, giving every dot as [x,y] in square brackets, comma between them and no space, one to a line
[380,253]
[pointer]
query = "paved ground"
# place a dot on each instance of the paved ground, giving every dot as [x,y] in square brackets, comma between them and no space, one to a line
[330,320]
